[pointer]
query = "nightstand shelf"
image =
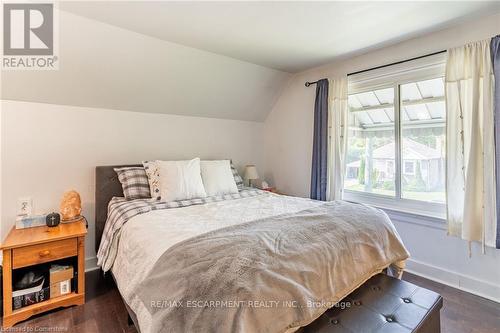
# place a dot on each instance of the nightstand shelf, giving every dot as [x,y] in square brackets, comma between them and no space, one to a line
[72,298]
[37,246]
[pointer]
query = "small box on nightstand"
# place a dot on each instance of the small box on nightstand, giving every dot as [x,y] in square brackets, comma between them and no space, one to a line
[60,280]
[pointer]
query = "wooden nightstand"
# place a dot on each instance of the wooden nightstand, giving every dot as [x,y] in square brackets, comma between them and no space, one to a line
[33,246]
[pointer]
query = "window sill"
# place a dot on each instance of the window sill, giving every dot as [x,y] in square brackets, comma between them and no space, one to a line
[423,220]
[407,211]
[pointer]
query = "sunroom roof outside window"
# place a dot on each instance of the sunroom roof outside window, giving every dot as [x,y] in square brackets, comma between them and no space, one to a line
[422,105]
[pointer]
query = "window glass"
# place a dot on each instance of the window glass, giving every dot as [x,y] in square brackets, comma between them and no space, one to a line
[423,118]
[371,143]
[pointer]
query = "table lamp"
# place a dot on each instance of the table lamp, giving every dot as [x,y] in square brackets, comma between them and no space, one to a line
[251,174]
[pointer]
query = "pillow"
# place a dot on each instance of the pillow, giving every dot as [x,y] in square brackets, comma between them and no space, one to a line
[218,177]
[237,177]
[153,173]
[134,182]
[180,180]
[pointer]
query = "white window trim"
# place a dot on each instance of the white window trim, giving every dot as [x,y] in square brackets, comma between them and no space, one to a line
[419,219]
[416,70]
[393,77]
[415,207]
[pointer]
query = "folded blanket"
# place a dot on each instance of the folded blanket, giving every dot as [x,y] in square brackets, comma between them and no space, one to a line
[270,275]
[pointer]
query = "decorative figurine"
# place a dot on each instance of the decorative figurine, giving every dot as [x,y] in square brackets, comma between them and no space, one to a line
[71,206]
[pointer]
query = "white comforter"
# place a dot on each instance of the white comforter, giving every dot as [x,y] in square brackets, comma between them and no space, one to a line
[146,237]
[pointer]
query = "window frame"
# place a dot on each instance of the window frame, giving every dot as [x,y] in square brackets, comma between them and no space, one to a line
[394,77]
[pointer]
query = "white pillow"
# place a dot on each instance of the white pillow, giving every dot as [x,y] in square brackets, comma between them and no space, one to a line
[218,177]
[180,180]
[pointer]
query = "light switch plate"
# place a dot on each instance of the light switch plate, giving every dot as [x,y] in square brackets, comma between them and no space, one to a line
[25,206]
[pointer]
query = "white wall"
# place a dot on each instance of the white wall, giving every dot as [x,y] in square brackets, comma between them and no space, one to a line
[48,149]
[288,136]
[445,259]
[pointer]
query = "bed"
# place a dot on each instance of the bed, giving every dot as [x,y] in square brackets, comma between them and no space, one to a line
[165,257]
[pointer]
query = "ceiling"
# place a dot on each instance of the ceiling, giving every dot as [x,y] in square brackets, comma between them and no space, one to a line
[287,36]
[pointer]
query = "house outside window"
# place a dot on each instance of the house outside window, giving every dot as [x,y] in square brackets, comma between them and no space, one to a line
[396,138]
[409,168]
[390,167]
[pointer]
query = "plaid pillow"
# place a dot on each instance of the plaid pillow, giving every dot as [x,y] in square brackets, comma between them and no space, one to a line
[237,177]
[134,182]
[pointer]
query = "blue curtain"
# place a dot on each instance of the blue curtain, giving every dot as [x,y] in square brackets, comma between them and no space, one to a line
[495,58]
[319,176]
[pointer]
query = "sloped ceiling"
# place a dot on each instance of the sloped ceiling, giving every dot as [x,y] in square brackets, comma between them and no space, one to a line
[105,66]
[285,35]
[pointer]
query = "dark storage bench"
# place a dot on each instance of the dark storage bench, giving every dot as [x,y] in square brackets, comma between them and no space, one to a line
[382,305]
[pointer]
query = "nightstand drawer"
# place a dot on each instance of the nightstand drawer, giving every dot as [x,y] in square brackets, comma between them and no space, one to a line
[40,253]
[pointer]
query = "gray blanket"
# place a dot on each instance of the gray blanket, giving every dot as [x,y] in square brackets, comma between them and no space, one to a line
[270,275]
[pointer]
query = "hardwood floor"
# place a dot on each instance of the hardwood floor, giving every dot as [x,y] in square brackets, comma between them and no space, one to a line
[462,312]
[104,311]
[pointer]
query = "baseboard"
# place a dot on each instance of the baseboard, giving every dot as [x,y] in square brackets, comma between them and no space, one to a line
[456,280]
[91,264]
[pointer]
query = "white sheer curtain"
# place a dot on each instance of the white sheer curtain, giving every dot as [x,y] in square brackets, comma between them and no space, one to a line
[470,183]
[337,137]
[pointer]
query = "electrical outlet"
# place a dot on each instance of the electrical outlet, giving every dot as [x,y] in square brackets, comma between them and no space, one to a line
[25,206]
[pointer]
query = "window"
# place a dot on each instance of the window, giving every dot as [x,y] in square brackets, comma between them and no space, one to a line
[396,138]
[409,168]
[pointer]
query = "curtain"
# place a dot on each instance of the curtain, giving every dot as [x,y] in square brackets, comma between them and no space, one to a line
[338,137]
[495,58]
[319,176]
[470,181]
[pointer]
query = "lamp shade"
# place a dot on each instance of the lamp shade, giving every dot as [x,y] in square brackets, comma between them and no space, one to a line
[251,172]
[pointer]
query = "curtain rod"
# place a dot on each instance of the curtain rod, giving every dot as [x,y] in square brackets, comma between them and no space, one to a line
[397,63]
[307,84]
